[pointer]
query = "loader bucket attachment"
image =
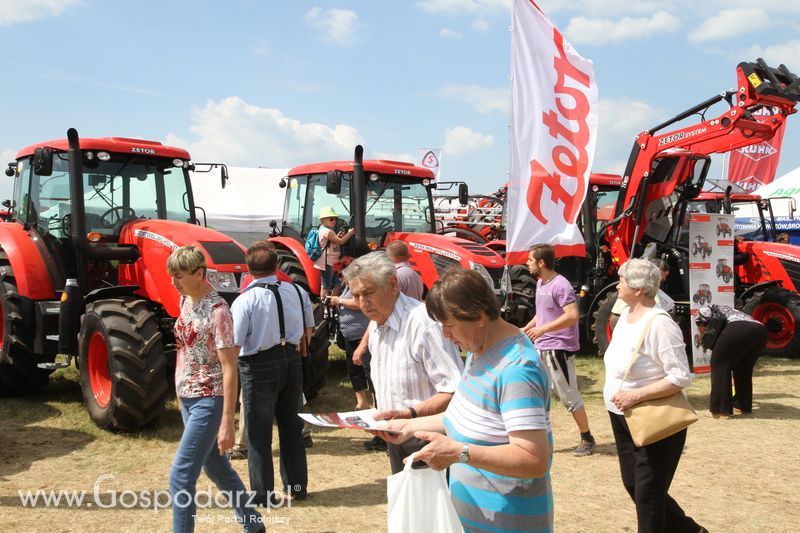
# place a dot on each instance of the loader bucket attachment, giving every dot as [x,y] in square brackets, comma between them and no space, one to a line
[768,82]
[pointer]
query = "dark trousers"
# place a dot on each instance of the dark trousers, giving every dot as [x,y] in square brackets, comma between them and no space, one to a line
[398,452]
[358,374]
[647,473]
[735,353]
[272,390]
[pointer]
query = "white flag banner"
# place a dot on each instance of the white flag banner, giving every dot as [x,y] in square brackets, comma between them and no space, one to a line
[553,134]
[430,158]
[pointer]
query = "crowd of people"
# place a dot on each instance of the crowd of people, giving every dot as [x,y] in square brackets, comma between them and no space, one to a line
[485,419]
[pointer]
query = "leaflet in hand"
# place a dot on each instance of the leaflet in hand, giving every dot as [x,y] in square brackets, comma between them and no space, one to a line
[351,420]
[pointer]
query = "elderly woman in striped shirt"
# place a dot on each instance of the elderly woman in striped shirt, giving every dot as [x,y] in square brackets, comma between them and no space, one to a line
[495,435]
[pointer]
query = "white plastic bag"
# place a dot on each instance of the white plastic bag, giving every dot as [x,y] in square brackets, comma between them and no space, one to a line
[419,500]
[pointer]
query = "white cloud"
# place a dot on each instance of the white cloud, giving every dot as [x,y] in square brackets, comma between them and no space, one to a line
[401,156]
[786,53]
[462,140]
[730,23]
[457,7]
[485,100]
[597,31]
[338,26]
[619,122]
[480,25]
[238,133]
[14,11]
[450,34]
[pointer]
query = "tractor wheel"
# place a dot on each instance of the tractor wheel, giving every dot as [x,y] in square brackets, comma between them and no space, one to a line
[290,266]
[708,297]
[523,287]
[779,311]
[726,278]
[601,325]
[18,371]
[122,364]
[315,368]
[694,248]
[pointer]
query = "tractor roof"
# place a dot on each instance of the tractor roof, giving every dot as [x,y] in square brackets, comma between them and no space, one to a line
[599,178]
[381,166]
[112,144]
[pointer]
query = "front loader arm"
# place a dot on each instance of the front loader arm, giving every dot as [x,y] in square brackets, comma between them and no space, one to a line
[759,85]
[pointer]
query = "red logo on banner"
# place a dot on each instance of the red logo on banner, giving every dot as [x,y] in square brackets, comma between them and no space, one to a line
[757,152]
[700,266]
[571,161]
[725,288]
[753,166]
[724,243]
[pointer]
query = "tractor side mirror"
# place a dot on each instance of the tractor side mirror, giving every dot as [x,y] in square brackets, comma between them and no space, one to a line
[333,185]
[463,194]
[43,162]
[11,170]
[223,175]
[283,183]
[792,208]
[6,203]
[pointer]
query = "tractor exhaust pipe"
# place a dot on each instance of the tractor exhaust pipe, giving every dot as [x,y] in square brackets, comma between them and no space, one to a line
[78,218]
[359,203]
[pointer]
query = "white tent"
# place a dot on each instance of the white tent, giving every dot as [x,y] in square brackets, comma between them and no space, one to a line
[243,209]
[786,185]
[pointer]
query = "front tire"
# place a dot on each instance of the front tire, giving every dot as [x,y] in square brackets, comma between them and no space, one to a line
[523,287]
[122,364]
[18,371]
[601,325]
[779,310]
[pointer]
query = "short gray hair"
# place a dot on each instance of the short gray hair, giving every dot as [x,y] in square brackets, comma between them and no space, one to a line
[375,265]
[641,274]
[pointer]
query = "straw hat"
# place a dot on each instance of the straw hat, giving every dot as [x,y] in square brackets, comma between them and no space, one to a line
[327,212]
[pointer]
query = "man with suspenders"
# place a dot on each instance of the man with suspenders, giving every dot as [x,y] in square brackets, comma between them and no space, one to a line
[272,323]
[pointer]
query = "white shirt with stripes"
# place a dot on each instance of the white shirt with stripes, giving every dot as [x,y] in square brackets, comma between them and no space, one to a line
[411,359]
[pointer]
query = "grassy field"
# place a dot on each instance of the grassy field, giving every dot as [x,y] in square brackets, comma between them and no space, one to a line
[736,475]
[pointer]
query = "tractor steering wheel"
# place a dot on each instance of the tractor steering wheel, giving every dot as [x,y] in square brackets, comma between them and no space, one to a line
[115,215]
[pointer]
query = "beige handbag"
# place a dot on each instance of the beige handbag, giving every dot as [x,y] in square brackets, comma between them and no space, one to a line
[653,420]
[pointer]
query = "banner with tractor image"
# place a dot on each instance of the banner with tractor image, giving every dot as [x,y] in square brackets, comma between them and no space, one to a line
[710,272]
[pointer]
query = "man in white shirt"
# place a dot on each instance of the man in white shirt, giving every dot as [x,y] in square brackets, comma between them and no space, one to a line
[414,368]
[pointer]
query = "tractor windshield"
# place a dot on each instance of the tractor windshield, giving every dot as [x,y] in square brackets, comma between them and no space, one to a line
[391,205]
[115,191]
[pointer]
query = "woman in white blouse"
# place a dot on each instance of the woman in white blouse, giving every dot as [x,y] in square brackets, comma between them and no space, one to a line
[661,370]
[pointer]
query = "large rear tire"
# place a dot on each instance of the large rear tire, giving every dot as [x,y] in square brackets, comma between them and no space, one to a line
[320,342]
[601,323]
[122,364]
[523,287]
[18,371]
[779,310]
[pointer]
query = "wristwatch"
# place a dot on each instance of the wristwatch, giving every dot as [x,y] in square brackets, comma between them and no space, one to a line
[463,457]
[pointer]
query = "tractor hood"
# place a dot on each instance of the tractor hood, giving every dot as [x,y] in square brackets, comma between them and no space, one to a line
[768,261]
[156,239]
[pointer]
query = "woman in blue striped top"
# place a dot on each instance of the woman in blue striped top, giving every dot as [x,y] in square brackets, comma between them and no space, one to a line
[495,435]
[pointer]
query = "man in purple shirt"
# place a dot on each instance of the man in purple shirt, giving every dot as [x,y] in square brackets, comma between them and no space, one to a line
[554,331]
[407,279]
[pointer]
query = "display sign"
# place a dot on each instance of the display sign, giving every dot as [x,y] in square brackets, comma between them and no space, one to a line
[711,272]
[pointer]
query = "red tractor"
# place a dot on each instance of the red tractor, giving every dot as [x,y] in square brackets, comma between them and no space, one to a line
[383,201]
[703,294]
[701,247]
[724,271]
[724,230]
[83,271]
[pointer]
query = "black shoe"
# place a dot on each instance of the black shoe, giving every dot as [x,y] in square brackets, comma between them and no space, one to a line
[299,495]
[377,444]
[308,442]
[238,455]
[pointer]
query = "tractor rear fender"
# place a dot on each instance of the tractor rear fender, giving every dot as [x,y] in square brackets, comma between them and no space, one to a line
[742,298]
[30,271]
[298,249]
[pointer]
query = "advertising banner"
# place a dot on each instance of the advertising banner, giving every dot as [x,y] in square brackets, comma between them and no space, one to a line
[710,272]
[430,158]
[553,135]
[754,166]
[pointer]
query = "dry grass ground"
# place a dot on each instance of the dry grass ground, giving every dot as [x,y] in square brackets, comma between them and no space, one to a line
[736,475]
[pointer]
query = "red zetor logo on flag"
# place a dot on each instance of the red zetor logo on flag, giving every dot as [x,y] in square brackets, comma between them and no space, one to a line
[570,158]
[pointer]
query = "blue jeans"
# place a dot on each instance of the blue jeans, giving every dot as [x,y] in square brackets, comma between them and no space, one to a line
[272,391]
[198,450]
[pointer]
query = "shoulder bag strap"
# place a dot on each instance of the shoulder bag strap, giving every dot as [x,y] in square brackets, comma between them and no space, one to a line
[638,345]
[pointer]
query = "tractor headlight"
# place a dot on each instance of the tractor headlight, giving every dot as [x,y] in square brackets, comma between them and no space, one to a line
[222,281]
[480,269]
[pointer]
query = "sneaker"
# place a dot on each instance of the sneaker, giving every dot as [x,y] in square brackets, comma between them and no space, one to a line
[238,455]
[586,447]
[377,444]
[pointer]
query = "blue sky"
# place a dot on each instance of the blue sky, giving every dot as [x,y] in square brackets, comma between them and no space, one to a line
[278,84]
